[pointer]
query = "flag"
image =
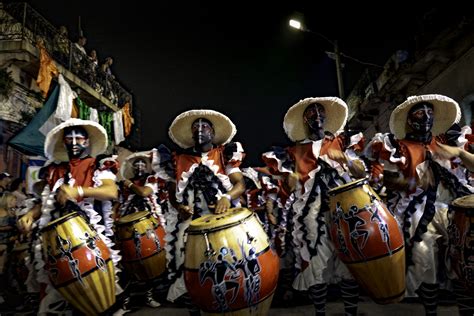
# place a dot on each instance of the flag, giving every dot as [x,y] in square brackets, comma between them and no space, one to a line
[31,138]
[46,71]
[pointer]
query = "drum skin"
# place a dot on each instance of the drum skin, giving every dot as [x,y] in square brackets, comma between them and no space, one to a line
[461,240]
[141,241]
[79,264]
[368,240]
[229,266]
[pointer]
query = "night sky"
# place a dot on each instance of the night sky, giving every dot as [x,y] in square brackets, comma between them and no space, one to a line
[238,57]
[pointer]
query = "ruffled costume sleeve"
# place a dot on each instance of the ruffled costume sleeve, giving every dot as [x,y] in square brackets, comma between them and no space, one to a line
[233,156]
[163,164]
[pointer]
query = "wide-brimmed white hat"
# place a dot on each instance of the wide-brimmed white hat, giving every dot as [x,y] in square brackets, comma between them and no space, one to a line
[336,117]
[126,168]
[54,148]
[446,113]
[180,130]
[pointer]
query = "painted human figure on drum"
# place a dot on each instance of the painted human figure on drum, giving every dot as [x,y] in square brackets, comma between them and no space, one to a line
[322,158]
[66,254]
[251,270]
[80,179]
[151,234]
[204,178]
[356,232]
[91,244]
[414,164]
[224,277]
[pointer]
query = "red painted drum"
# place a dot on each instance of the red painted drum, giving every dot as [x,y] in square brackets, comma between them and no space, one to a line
[368,240]
[229,266]
[141,239]
[79,264]
[461,240]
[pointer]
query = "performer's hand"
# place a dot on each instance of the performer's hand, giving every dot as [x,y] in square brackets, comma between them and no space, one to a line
[271,218]
[292,180]
[222,205]
[337,155]
[26,222]
[65,193]
[447,152]
[184,211]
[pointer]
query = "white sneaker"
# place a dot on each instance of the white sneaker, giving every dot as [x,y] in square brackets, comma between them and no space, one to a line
[152,303]
[121,312]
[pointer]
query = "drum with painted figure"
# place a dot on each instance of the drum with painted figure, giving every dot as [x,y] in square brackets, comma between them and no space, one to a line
[141,239]
[229,266]
[79,264]
[369,241]
[461,240]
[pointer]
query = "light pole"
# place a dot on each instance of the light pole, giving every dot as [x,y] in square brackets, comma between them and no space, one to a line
[337,55]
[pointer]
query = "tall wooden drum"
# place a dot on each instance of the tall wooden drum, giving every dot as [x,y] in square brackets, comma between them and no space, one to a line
[229,266]
[79,264]
[461,240]
[142,244]
[368,240]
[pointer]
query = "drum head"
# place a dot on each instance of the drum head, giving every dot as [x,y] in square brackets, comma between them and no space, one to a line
[59,221]
[217,221]
[135,217]
[464,202]
[348,186]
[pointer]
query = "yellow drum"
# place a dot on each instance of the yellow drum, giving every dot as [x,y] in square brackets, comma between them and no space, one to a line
[142,243]
[79,264]
[368,240]
[229,266]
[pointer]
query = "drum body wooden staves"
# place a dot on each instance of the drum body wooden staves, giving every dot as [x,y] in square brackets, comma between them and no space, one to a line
[229,266]
[368,240]
[141,241]
[461,240]
[79,264]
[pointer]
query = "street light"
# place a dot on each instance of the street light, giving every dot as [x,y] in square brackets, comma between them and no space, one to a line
[337,55]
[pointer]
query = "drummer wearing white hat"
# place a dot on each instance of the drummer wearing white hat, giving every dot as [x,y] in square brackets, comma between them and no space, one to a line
[204,178]
[415,166]
[77,176]
[322,157]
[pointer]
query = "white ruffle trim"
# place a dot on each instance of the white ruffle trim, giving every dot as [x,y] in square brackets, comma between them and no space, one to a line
[385,140]
[183,182]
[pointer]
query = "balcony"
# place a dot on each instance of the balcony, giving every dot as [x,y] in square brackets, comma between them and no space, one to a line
[21,26]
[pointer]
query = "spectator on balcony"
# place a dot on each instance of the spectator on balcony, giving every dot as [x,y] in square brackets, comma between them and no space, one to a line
[61,45]
[93,64]
[105,67]
[79,54]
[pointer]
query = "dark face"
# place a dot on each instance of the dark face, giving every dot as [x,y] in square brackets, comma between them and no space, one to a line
[203,132]
[139,167]
[76,141]
[315,116]
[421,117]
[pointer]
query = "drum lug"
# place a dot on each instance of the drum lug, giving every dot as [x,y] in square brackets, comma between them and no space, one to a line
[209,251]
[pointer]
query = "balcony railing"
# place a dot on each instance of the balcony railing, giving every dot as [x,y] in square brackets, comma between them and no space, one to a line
[22,22]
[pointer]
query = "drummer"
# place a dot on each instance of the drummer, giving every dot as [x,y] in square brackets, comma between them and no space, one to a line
[139,193]
[78,180]
[320,160]
[204,178]
[421,182]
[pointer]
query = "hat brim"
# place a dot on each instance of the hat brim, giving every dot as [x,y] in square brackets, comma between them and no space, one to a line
[180,129]
[446,113]
[54,148]
[336,117]
[126,169]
